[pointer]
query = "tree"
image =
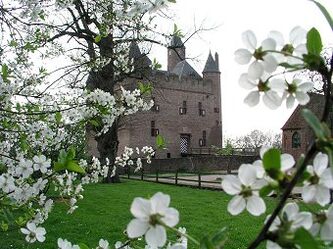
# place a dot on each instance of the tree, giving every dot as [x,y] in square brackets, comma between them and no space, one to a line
[256,139]
[99,35]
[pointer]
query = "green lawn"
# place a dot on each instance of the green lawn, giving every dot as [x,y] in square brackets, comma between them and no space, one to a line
[104,213]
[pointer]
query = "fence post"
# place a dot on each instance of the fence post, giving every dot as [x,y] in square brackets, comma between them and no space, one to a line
[199,179]
[176,178]
[142,173]
[128,172]
[156,175]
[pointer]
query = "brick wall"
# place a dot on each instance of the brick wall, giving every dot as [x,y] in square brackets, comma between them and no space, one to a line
[195,164]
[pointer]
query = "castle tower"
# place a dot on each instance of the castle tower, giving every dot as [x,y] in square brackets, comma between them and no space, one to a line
[212,72]
[176,52]
[139,60]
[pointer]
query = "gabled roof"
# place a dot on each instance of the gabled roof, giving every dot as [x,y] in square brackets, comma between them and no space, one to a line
[296,120]
[212,65]
[183,69]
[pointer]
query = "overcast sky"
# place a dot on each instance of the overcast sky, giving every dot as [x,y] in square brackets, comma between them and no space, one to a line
[232,18]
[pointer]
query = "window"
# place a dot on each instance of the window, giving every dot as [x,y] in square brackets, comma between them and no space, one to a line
[154,131]
[155,108]
[168,155]
[296,140]
[202,141]
[183,109]
[202,112]
[216,110]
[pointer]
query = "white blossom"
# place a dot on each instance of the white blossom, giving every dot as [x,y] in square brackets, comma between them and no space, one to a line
[323,225]
[34,233]
[317,187]
[245,189]
[150,218]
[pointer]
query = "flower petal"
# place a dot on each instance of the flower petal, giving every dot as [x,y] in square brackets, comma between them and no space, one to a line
[236,205]
[277,36]
[305,86]
[323,195]
[247,174]
[159,202]
[287,162]
[302,98]
[136,228]
[277,84]
[268,44]
[255,71]
[242,56]
[302,219]
[249,39]
[326,232]
[297,35]
[326,178]
[255,205]
[141,208]
[252,99]
[320,163]
[271,99]
[308,193]
[231,185]
[156,236]
[290,101]
[245,82]
[270,63]
[272,245]
[171,217]
[291,210]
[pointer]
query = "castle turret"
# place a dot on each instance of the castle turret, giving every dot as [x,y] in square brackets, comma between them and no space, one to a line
[139,60]
[212,72]
[176,52]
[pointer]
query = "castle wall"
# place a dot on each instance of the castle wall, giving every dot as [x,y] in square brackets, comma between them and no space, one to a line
[170,93]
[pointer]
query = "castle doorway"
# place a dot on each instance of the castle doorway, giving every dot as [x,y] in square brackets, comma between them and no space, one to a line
[185,141]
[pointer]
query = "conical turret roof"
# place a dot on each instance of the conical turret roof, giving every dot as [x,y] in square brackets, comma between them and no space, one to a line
[212,65]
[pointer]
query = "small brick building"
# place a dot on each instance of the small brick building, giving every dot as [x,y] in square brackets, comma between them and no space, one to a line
[297,135]
[187,110]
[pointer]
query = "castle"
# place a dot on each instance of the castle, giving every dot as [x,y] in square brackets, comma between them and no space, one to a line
[187,110]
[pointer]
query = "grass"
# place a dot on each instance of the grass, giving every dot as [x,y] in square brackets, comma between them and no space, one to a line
[104,213]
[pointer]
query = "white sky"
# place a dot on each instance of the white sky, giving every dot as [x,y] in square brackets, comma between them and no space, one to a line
[233,17]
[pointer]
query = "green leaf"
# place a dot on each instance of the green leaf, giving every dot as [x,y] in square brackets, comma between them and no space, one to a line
[325,13]
[220,238]
[160,142]
[83,246]
[172,1]
[314,123]
[313,42]
[266,190]
[74,167]
[71,154]
[305,240]
[94,123]
[206,243]
[58,117]
[289,66]
[5,72]
[4,226]
[98,38]
[272,163]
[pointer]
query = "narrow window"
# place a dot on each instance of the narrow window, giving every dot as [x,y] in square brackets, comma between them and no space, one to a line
[183,109]
[204,137]
[202,112]
[154,131]
[296,140]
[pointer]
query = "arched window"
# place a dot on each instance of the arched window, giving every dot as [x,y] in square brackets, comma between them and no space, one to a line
[296,140]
